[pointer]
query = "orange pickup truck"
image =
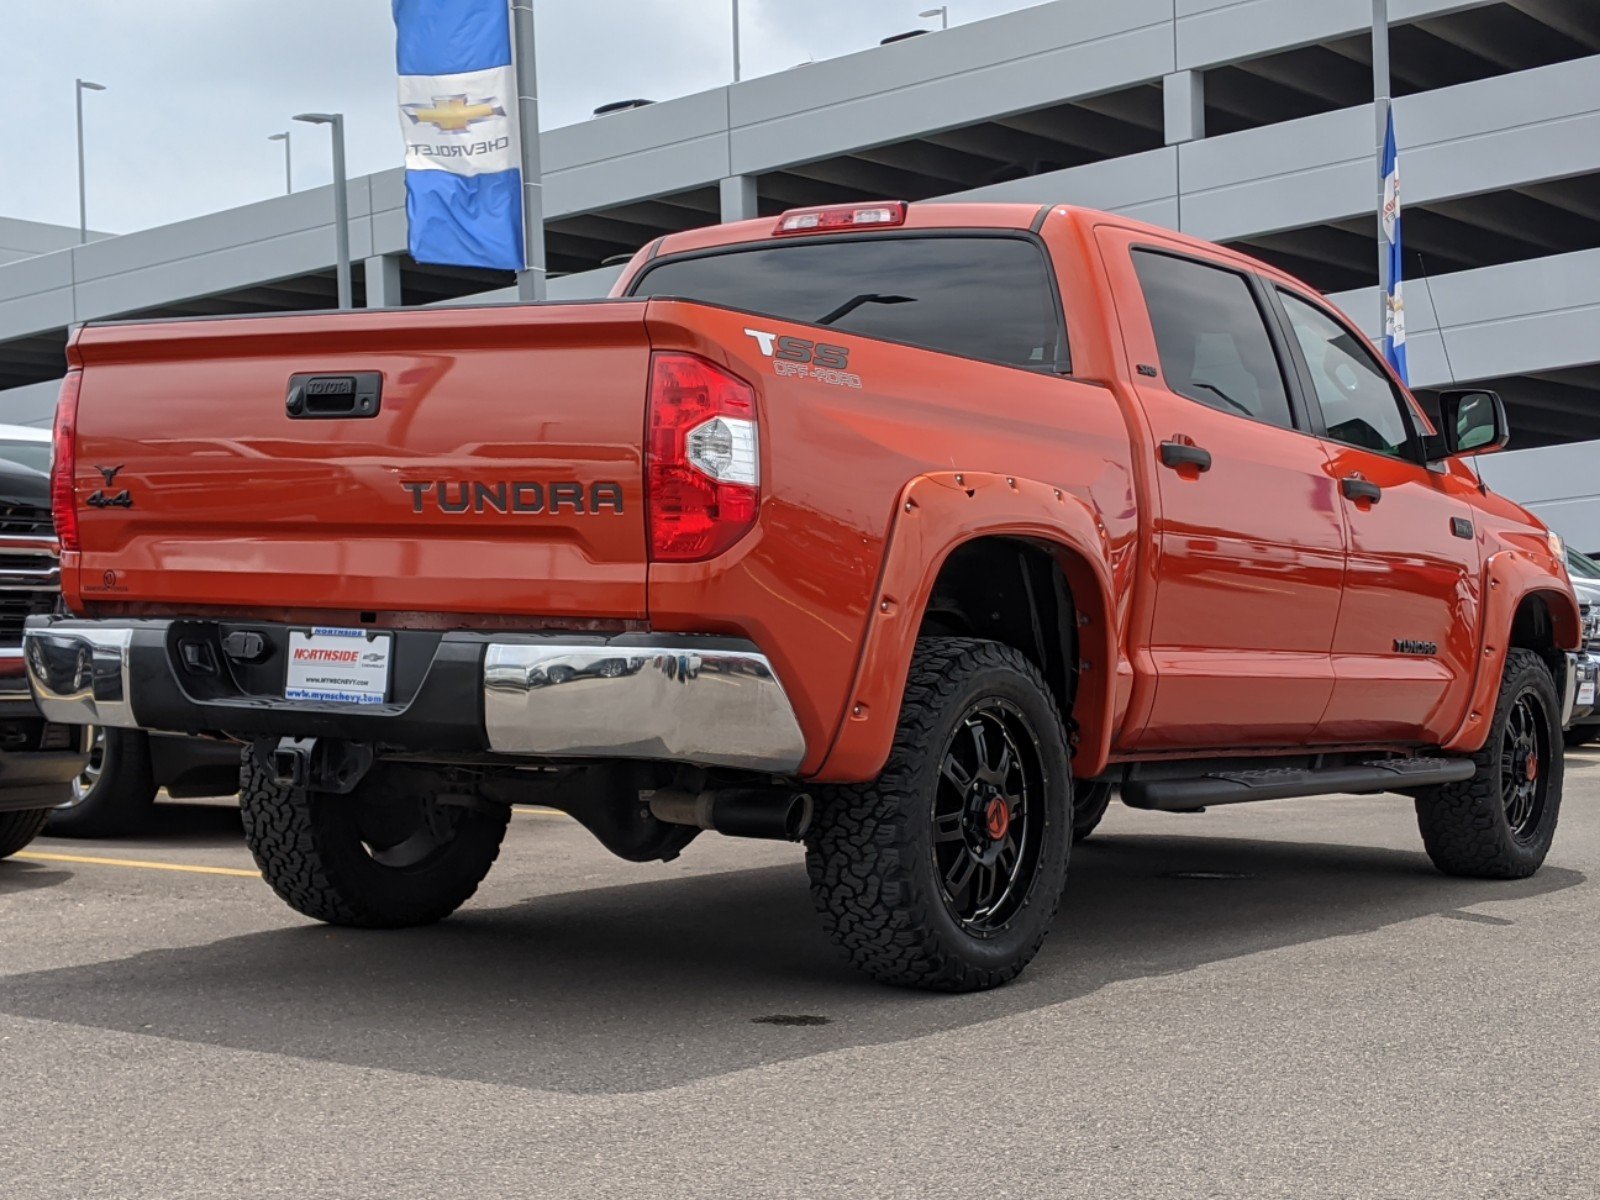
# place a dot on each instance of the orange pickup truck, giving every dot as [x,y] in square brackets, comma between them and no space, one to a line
[911,532]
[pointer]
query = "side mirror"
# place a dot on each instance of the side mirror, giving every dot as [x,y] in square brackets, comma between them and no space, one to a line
[1472,421]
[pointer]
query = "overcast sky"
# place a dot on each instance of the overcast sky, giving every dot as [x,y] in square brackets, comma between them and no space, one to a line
[195,86]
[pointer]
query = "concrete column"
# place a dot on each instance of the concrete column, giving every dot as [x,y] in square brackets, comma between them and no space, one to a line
[739,198]
[1183,94]
[383,281]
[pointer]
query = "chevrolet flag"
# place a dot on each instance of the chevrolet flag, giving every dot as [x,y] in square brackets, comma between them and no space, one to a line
[1394,331]
[458,114]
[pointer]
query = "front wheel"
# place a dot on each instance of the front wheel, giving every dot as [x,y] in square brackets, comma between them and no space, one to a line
[387,855]
[1580,735]
[1089,803]
[946,871]
[1499,824]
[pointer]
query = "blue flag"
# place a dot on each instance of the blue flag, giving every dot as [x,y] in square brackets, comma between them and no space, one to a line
[1394,325]
[458,113]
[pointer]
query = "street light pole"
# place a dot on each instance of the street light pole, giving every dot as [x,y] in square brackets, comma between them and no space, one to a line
[341,200]
[1381,102]
[942,12]
[83,191]
[288,167]
[736,70]
[531,279]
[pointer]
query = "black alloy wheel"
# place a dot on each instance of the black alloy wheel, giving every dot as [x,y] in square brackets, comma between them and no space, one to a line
[1500,823]
[1524,754]
[988,816]
[946,870]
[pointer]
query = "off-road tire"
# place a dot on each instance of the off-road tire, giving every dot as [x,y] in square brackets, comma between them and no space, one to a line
[1089,804]
[310,850]
[1464,825]
[17,829]
[122,797]
[870,853]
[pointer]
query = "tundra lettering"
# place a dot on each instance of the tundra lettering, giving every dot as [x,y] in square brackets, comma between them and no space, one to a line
[522,497]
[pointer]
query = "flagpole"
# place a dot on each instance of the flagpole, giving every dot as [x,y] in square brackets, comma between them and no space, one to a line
[531,279]
[1381,102]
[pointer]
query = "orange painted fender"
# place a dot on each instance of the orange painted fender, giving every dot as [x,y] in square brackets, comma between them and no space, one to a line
[1510,577]
[936,514]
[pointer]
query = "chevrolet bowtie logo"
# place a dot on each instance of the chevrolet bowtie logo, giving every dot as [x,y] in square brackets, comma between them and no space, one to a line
[454,114]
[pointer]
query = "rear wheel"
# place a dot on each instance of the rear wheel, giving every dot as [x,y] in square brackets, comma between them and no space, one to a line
[1499,824]
[946,871]
[17,829]
[116,791]
[385,856]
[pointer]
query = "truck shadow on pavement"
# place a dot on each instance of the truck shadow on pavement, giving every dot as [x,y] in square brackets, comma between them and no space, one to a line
[649,986]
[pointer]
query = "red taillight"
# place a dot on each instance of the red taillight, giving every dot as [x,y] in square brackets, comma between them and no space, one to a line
[703,459]
[64,463]
[842,216]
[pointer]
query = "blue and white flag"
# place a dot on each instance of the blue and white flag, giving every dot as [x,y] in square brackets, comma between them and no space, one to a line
[1394,325]
[458,113]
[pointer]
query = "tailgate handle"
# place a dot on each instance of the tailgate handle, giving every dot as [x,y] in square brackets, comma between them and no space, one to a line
[353,395]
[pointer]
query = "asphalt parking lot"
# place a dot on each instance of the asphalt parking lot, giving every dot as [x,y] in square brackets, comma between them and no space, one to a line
[1272,1000]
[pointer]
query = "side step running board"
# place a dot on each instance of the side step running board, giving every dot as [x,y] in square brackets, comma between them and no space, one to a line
[1286,783]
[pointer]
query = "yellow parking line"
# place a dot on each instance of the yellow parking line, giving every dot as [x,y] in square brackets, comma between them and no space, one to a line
[239,872]
[41,856]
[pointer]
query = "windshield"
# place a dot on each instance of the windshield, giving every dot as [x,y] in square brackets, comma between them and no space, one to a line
[1582,565]
[35,455]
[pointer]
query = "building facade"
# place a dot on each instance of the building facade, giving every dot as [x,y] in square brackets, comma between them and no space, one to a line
[1248,122]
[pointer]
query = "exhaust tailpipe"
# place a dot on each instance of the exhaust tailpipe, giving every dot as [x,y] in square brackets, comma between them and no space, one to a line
[747,812]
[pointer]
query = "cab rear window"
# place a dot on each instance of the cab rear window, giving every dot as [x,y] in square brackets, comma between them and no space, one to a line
[988,298]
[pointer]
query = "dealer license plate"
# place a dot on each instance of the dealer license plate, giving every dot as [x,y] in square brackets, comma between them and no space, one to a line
[1586,693]
[338,666]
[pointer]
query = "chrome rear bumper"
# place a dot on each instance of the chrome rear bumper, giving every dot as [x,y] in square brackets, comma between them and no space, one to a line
[702,700]
[681,702]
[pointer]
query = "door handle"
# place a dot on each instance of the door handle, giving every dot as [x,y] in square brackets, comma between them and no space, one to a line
[1181,454]
[1357,488]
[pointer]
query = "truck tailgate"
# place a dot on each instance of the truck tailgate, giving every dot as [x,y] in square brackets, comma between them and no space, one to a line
[498,472]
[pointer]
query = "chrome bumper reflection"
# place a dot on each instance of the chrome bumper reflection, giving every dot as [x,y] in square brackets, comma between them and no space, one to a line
[683,703]
[80,676]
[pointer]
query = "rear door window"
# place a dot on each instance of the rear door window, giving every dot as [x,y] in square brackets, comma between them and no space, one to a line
[988,298]
[1212,337]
